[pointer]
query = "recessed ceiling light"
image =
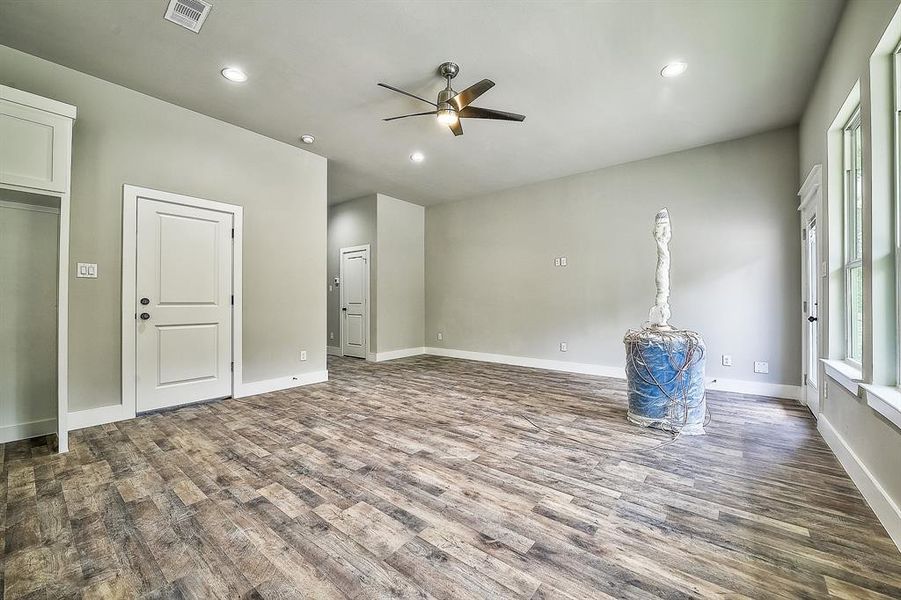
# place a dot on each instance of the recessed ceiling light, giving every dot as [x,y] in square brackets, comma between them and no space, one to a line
[234,74]
[307,138]
[417,157]
[674,69]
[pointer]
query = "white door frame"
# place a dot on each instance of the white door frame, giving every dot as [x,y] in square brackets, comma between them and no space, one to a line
[130,195]
[366,327]
[809,210]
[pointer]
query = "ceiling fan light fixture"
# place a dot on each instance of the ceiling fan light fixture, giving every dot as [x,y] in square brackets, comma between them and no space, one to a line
[447,116]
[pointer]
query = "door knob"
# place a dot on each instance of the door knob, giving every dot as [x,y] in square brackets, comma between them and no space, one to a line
[145,316]
[811,319]
[344,308]
[145,301]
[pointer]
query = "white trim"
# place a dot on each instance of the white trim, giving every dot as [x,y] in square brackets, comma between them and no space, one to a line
[333,351]
[774,390]
[101,415]
[395,354]
[130,195]
[31,207]
[370,355]
[46,104]
[843,374]
[886,401]
[536,363]
[755,388]
[280,383]
[886,509]
[23,431]
[811,186]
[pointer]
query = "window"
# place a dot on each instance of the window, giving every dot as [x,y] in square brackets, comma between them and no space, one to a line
[853,241]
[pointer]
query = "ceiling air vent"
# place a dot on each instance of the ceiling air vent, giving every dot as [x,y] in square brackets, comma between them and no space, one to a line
[190,14]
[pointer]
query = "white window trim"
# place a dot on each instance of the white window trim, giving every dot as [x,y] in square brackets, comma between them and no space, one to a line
[849,246]
[896,102]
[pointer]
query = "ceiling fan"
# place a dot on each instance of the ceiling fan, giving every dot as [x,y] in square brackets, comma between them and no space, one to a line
[453,106]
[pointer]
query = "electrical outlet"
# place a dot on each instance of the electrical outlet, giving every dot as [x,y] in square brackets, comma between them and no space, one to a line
[303,355]
[562,346]
[331,335]
[440,336]
[761,367]
[727,360]
[556,262]
[562,261]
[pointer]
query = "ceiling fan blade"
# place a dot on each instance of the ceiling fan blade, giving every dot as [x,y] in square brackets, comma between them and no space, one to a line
[394,89]
[431,112]
[456,127]
[474,112]
[462,100]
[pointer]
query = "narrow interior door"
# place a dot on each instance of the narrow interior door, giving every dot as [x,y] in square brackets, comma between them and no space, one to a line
[355,292]
[183,305]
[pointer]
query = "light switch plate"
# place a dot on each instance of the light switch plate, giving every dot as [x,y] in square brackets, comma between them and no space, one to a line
[86,270]
[303,355]
[556,262]
[761,367]
[562,261]
[440,336]
[563,347]
[727,360]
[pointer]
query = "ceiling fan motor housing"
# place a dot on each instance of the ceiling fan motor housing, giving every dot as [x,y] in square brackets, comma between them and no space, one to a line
[444,97]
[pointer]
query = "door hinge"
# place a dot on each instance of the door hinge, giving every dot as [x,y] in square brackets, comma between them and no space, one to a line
[233,366]
[804,234]
[233,299]
[233,233]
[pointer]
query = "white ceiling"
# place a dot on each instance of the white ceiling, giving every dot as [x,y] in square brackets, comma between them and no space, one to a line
[585,74]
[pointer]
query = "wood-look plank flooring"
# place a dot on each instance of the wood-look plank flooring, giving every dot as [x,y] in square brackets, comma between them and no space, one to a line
[438,478]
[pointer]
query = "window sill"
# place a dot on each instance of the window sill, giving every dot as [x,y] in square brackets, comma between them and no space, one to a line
[886,401]
[843,374]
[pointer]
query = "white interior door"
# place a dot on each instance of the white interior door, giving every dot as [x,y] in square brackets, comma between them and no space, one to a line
[183,304]
[355,301]
[810,314]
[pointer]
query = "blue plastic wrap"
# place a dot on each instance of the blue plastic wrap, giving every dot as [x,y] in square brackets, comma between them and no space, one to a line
[665,374]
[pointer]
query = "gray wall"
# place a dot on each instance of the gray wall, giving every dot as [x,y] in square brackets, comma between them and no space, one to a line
[351,223]
[125,137]
[401,274]
[491,284]
[872,438]
[28,276]
[395,232]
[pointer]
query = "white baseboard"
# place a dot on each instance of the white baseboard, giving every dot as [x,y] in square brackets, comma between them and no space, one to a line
[775,390]
[756,388]
[537,363]
[23,431]
[97,416]
[886,509]
[402,353]
[280,383]
[334,351]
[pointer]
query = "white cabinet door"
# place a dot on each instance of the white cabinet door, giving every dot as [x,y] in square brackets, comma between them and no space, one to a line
[34,147]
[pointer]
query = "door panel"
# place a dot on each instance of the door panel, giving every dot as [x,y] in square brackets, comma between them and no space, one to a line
[35,148]
[184,270]
[355,302]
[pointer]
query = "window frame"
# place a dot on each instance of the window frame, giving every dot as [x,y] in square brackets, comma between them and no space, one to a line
[852,243]
[896,201]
